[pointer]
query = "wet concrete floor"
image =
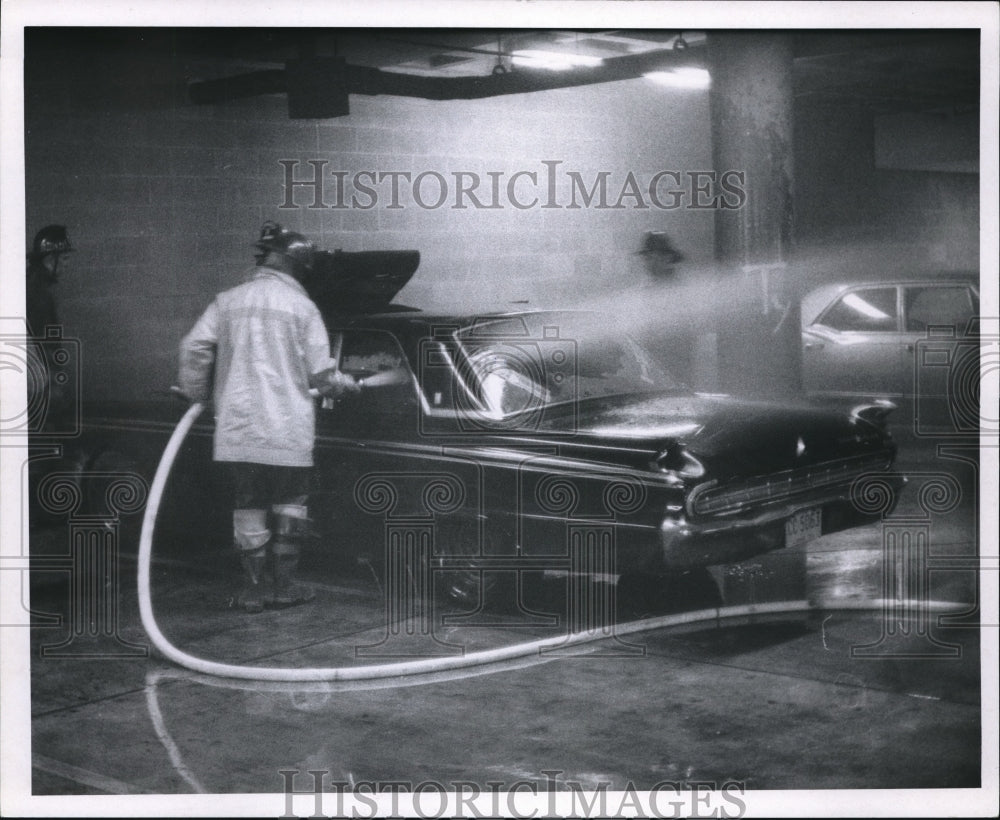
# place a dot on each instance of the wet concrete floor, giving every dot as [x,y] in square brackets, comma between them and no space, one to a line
[831,698]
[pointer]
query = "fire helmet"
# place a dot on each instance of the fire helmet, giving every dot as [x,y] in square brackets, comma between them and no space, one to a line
[292,245]
[51,239]
[659,243]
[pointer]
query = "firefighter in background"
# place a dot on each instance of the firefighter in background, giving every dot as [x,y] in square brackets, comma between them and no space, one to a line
[659,254]
[258,351]
[674,341]
[48,258]
[47,399]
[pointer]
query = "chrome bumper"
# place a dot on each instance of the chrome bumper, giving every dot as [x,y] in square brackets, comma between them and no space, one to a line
[689,542]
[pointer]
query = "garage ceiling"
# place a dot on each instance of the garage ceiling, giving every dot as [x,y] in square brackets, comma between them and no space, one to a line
[887,71]
[895,71]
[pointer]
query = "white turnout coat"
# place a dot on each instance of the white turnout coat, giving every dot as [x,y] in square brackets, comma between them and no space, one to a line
[253,351]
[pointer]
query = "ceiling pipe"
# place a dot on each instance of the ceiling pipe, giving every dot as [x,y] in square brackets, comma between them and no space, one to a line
[374,81]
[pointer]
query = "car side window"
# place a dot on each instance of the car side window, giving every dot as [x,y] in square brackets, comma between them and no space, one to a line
[942,305]
[376,357]
[869,309]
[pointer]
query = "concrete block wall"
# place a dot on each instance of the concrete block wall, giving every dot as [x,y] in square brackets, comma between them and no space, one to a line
[856,218]
[163,198]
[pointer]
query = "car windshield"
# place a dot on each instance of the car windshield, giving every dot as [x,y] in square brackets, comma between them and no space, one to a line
[523,363]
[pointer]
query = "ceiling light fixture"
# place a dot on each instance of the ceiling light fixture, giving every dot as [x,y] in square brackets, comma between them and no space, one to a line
[684,77]
[552,60]
[499,68]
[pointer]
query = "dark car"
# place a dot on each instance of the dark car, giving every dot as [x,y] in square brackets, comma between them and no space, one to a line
[537,441]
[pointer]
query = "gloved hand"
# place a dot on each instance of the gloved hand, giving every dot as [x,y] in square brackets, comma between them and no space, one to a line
[333,383]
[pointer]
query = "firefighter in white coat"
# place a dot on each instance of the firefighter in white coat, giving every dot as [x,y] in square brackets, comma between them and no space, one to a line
[256,352]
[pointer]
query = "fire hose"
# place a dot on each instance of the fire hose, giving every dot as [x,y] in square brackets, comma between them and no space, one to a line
[425,666]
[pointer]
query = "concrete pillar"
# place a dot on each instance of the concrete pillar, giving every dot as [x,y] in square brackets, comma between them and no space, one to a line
[751,111]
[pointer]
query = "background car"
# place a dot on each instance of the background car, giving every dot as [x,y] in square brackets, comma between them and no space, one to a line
[913,342]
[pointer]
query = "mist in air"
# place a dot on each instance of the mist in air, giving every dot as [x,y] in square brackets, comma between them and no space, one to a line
[715,327]
[723,328]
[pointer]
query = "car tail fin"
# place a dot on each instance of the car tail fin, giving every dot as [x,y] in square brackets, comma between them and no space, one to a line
[875,412]
[359,282]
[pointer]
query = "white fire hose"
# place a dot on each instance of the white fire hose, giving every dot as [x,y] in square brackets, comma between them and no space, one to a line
[437,664]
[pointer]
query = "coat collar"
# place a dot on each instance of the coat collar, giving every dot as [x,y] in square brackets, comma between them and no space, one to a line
[264,271]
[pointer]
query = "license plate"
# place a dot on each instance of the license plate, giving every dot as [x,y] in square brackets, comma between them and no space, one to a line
[804,527]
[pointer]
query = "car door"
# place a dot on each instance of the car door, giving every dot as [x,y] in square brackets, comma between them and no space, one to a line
[855,346]
[358,434]
[936,347]
[379,478]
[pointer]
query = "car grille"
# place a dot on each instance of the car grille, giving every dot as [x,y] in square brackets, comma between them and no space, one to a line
[813,481]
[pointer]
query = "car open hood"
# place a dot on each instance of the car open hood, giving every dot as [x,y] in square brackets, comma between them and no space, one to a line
[344,282]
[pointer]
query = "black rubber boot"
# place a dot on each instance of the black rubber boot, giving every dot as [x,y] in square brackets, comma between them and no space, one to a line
[251,597]
[287,592]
